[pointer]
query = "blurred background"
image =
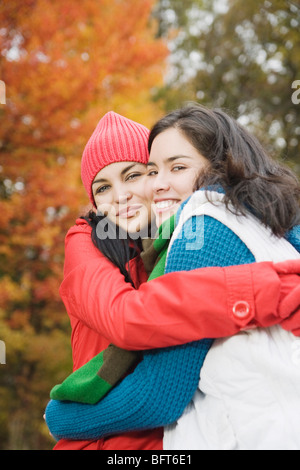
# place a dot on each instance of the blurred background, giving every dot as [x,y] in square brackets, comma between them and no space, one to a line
[66,63]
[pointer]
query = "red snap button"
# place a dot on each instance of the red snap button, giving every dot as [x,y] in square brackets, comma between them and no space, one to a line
[241,310]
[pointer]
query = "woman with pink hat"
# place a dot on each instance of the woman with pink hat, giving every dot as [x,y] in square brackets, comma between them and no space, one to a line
[104,308]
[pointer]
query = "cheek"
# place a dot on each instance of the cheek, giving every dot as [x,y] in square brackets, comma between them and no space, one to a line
[145,212]
[103,199]
[106,209]
[139,189]
[185,184]
[148,187]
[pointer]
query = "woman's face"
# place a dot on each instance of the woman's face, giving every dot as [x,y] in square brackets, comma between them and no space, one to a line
[173,167]
[119,193]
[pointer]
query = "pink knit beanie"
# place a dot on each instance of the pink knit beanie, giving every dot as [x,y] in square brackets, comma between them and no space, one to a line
[115,139]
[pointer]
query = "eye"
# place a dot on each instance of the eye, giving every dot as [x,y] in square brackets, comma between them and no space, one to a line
[133,176]
[178,168]
[152,173]
[102,189]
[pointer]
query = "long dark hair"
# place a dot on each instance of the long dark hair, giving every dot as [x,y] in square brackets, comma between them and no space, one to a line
[119,248]
[251,179]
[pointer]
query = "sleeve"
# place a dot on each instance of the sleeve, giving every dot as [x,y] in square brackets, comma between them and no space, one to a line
[91,382]
[162,385]
[125,315]
[154,395]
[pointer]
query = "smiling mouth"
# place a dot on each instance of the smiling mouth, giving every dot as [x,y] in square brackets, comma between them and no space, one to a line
[129,212]
[162,206]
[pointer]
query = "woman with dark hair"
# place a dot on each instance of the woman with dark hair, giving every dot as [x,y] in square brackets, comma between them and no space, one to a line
[175,154]
[237,162]
[248,395]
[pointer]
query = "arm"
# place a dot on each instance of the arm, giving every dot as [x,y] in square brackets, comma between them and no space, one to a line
[154,395]
[162,385]
[125,315]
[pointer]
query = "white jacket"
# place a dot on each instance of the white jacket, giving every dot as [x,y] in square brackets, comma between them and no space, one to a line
[248,396]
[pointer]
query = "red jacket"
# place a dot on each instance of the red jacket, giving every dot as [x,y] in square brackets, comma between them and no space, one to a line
[103,309]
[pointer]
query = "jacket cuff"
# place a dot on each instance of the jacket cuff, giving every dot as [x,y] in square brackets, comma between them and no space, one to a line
[240,296]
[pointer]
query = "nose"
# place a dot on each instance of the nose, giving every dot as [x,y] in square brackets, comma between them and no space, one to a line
[122,198]
[160,183]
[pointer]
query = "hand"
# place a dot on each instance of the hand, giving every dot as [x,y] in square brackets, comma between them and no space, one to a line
[289,305]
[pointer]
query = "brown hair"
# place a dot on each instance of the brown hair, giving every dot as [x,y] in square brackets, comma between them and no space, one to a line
[251,179]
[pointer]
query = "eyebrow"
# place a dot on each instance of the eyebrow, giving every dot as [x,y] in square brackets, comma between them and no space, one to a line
[101,180]
[127,168]
[170,159]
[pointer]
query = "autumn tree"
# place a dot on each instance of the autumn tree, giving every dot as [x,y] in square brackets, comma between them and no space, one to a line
[64,65]
[241,56]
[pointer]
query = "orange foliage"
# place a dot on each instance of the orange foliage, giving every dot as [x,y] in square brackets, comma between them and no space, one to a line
[64,64]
